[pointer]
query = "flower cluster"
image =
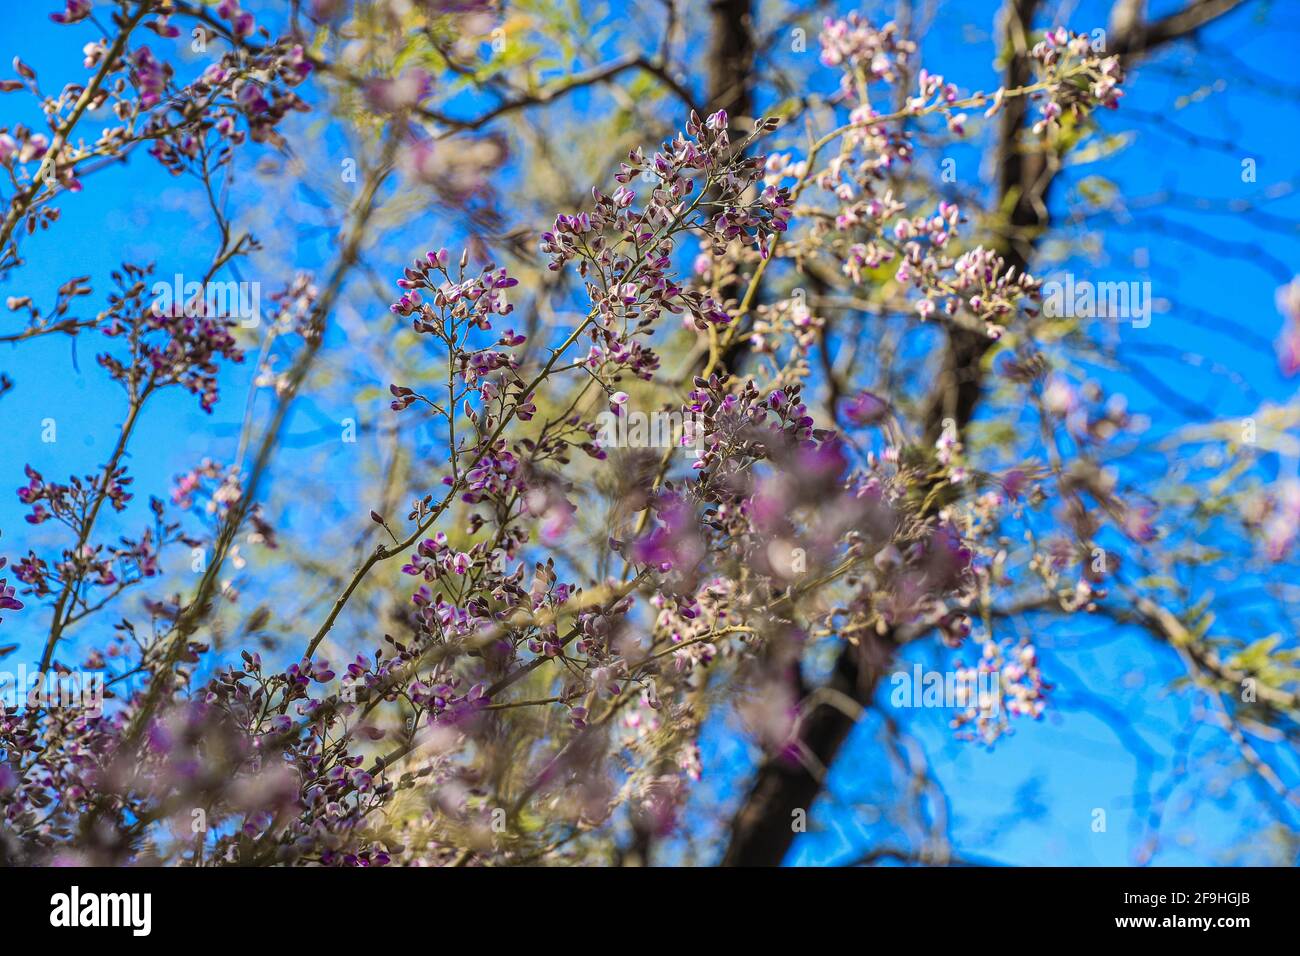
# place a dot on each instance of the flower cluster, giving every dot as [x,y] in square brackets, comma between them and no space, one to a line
[631,247]
[1019,690]
[1078,80]
[473,300]
[74,505]
[166,348]
[853,44]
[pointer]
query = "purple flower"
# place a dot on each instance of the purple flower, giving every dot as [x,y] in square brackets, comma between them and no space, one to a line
[1014,483]
[866,408]
[151,76]
[1139,523]
[74,11]
[7,600]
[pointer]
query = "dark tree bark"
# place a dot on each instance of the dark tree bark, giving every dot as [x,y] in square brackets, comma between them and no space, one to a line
[732,46]
[731,58]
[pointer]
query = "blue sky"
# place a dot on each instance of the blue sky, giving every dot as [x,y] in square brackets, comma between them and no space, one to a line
[1115,733]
